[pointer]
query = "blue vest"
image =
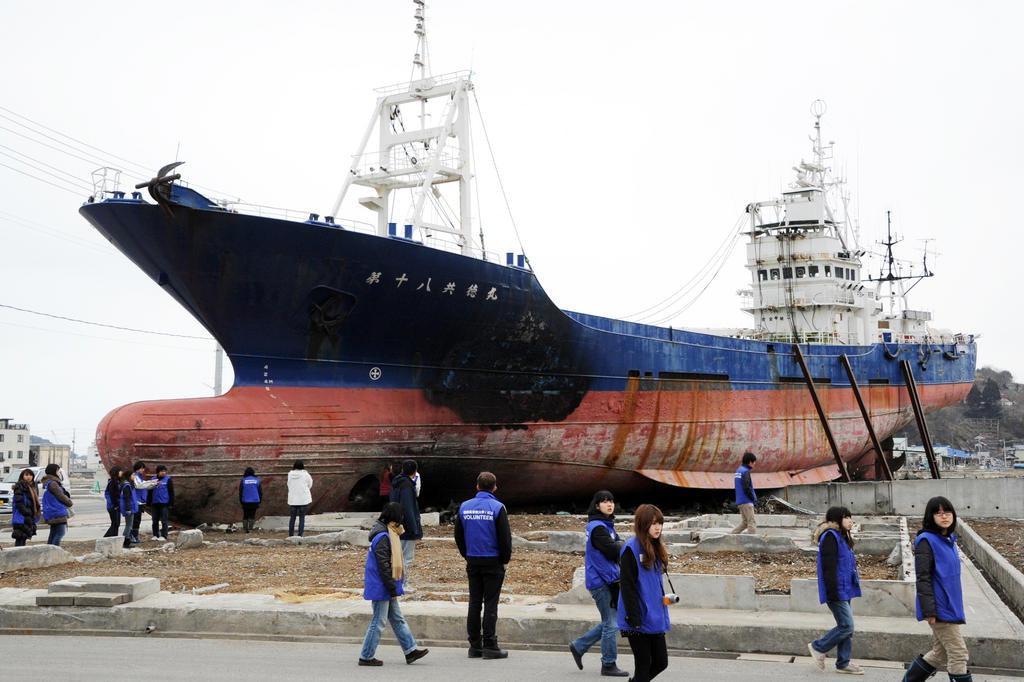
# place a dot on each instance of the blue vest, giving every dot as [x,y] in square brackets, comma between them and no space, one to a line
[847,578]
[251,490]
[601,570]
[653,611]
[140,494]
[741,494]
[17,518]
[132,498]
[110,502]
[949,594]
[478,515]
[161,495]
[52,507]
[373,587]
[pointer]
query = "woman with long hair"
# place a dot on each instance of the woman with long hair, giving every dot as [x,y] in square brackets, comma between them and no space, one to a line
[112,495]
[838,584]
[940,596]
[25,508]
[382,585]
[643,612]
[602,579]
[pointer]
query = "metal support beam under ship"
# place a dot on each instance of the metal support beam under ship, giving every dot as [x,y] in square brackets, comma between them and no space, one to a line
[844,474]
[922,425]
[880,459]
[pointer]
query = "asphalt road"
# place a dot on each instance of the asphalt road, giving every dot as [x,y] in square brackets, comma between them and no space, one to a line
[152,659]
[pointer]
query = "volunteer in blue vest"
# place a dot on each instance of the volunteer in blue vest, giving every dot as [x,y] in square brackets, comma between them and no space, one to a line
[129,507]
[484,539]
[112,496]
[838,584]
[642,612]
[250,495]
[56,504]
[940,597]
[746,498]
[382,585]
[403,491]
[161,499]
[25,509]
[141,487]
[601,558]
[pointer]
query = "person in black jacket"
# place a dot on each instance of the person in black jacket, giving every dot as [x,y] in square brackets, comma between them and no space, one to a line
[838,585]
[112,495]
[25,508]
[403,491]
[484,538]
[602,579]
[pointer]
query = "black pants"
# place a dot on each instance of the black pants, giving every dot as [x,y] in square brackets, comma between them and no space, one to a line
[115,523]
[136,524]
[249,510]
[298,511]
[161,514]
[20,542]
[650,655]
[485,582]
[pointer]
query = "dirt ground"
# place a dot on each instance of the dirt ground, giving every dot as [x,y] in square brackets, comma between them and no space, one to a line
[1006,535]
[307,570]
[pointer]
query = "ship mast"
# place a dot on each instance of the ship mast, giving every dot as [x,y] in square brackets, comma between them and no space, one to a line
[421,159]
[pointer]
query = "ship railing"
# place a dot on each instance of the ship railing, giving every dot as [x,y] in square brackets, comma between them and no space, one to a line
[292,215]
[431,82]
[400,159]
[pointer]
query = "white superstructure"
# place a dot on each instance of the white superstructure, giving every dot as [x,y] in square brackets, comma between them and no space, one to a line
[809,284]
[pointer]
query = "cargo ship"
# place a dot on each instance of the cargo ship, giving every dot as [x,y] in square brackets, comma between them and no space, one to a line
[354,345]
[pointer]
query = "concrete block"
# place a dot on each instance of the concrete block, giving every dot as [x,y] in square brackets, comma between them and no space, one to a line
[522,543]
[91,558]
[878,597]
[430,519]
[60,599]
[110,546]
[352,536]
[697,591]
[566,541]
[1009,580]
[135,588]
[33,556]
[189,539]
[877,546]
[747,543]
[100,599]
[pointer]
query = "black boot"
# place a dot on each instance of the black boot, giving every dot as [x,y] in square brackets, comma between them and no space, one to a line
[493,651]
[476,649]
[966,677]
[613,671]
[918,670]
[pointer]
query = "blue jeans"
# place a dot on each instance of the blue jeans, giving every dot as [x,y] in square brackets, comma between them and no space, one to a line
[57,533]
[841,636]
[606,631]
[386,611]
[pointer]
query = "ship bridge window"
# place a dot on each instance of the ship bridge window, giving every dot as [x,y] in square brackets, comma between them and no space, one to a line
[801,272]
[840,272]
[812,270]
[828,270]
[787,273]
[762,275]
[851,274]
[775,273]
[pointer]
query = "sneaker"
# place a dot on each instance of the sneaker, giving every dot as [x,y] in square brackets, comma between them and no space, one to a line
[415,655]
[851,669]
[576,656]
[372,661]
[819,658]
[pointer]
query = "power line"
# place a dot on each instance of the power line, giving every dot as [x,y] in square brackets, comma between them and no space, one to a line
[74,183]
[77,193]
[101,338]
[56,234]
[76,178]
[102,324]
[94,160]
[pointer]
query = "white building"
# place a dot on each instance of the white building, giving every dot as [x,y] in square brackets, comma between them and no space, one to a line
[14,443]
[49,453]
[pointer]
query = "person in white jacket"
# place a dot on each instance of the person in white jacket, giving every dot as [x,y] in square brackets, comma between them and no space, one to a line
[300,483]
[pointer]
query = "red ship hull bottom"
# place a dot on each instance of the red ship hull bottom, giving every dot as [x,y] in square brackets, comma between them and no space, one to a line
[627,441]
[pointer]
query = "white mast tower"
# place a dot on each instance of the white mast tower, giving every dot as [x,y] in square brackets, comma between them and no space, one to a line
[423,158]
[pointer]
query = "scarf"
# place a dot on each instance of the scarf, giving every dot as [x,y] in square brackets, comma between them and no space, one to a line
[30,488]
[397,566]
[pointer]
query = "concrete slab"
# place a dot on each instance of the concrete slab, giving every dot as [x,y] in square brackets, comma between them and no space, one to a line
[1009,580]
[33,556]
[108,547]
[135,588]
[189,539]
[99,599]
[59,599]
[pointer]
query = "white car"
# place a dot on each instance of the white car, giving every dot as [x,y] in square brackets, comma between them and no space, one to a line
[7,487]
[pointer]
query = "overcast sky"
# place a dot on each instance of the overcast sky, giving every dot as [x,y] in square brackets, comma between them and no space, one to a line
[629,136]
